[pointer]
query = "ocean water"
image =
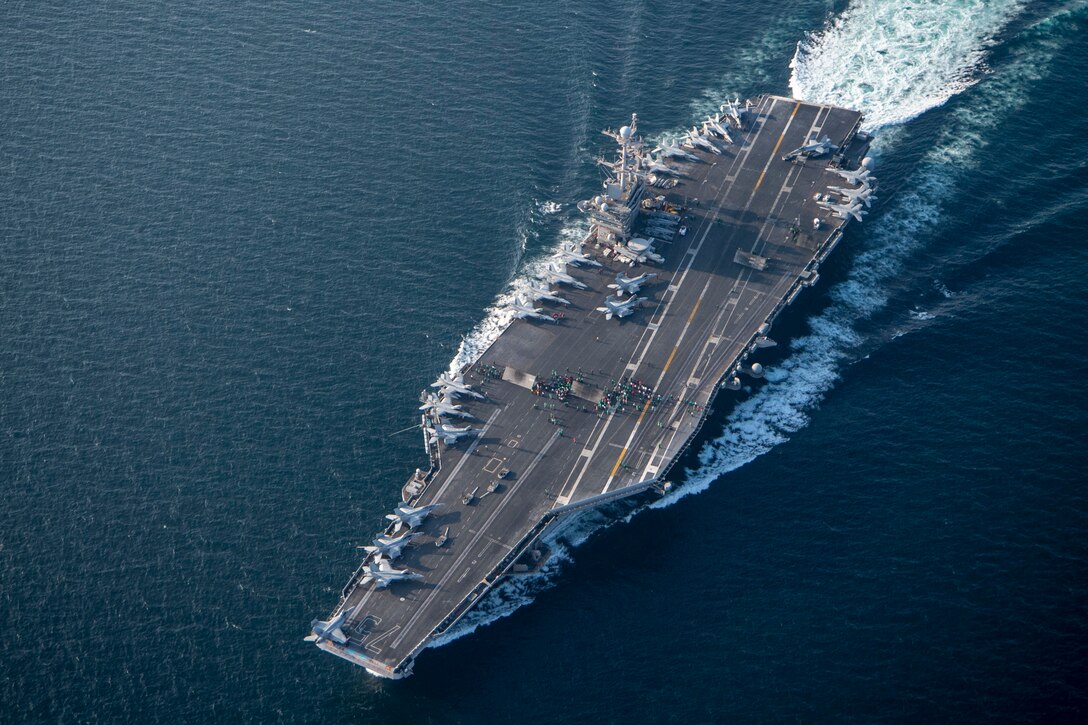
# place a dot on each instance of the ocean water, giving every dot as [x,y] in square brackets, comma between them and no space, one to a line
[237,240]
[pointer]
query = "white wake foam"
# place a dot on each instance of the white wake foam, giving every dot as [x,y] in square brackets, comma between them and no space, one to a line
[516,591]
[498,316]
[896,60]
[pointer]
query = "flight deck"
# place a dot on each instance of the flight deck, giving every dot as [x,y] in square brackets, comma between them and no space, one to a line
[579,409]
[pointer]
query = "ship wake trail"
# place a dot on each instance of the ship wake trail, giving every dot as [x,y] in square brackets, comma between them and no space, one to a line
[896,60]
[515,592]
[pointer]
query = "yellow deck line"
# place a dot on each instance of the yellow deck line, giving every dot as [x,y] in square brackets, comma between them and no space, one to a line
[623,453]
[646,407]
[641,415]
[694,309]
[775,152]
[618,462]
[671,356]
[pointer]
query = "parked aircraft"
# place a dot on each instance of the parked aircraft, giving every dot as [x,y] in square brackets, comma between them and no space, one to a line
[389,547]
[411,517]
[443,407]
[673,151]
[853,196]
[631,285]
[861,176]
[333,629]
[538,291]
[382,573]
[524,312]
[555,275]
[449,434]
[455,385]
[572,255]
[712,125]
[613,307]
[812,150]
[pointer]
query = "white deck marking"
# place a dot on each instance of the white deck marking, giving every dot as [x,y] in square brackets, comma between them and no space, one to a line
[664,371]
[475,539]
[675,287]
[732,303]
[371,645]
[468,454]
[683,332]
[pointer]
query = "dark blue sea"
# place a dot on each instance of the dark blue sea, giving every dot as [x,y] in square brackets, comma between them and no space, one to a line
[237,239]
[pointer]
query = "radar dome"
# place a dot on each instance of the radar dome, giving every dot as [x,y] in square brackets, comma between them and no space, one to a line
[604,207]
[625,132]
[598,199]
[866,162]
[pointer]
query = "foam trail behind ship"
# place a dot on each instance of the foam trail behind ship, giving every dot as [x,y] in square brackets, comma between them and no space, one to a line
[958,35]
[897,60]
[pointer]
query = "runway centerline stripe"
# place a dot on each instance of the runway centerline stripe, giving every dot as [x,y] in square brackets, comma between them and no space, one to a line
[623,453]
[775,152]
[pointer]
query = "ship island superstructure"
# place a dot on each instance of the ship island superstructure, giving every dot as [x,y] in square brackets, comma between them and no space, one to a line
[612,363]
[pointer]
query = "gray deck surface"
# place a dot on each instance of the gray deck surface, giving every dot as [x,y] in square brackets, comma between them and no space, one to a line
[701,315]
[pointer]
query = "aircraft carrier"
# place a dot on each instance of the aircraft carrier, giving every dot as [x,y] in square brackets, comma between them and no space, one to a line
[593,396]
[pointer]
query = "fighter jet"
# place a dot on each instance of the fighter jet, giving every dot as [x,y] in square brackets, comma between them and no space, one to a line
[390,548]
[631,285]
[572,255]
[853,196]
[332,629]
[449,434]
[861,176]
[543,292]
[734,113]
[712,125]
[555,275]
[613,307]
[441,406]
[673,151]
[697,140]
[409,517]
[455,386]
[844,211]
[656,167]
[523,311]
[812,150]
[382,573]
